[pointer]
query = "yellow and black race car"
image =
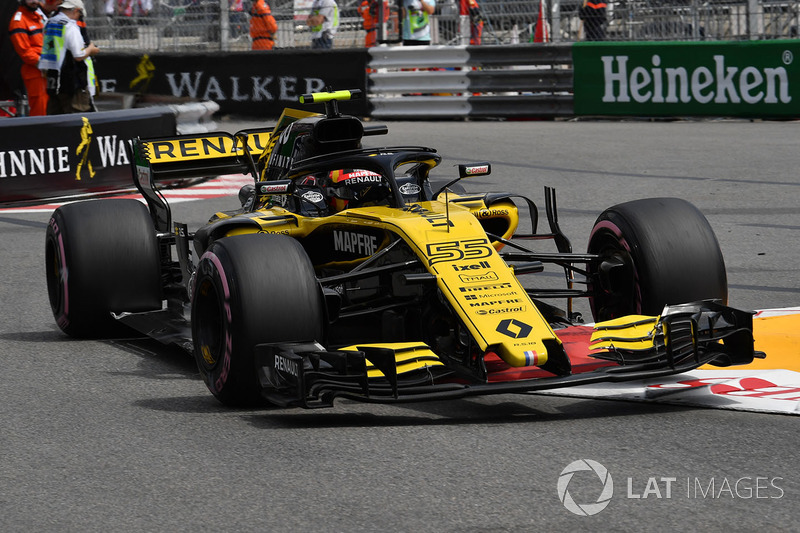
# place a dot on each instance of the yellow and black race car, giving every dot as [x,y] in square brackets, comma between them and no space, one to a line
[346,273]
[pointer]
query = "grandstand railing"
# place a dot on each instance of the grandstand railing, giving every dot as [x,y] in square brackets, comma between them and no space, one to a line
[172,26]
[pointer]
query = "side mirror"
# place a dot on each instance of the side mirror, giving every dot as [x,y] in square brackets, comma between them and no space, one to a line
[274,187]
[467,171]
[474,169]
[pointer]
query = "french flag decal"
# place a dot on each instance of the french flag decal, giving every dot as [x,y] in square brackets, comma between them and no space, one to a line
[531,358]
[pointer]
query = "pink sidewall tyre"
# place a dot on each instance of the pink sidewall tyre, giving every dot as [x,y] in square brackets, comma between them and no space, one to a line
[664,252]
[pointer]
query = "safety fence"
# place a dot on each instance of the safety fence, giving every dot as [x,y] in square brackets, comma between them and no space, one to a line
[471,81]
[54,156]
[509,21]
[77,154]
[176,27]
[671,79]
[189,25]
[539,80]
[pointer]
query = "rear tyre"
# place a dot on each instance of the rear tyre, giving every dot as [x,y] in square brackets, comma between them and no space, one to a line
[101,256]
[249,290]
[655,252]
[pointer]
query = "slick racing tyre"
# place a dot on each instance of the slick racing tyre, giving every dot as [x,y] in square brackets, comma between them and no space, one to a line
[654,252]
[250,289]
[101,256]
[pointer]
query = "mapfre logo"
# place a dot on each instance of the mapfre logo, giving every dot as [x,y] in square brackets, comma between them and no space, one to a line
[606,492]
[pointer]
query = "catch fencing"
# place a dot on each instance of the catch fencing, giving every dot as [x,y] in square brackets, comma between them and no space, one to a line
[188,26]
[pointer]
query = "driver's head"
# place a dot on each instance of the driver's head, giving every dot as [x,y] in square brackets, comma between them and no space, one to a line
[348,188]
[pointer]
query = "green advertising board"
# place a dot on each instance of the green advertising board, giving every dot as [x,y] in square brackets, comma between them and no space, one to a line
[734,79]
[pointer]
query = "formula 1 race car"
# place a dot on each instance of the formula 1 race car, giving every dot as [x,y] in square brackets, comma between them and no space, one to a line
[347,273]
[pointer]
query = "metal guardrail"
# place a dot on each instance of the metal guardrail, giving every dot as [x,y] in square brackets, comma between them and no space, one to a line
[471,81]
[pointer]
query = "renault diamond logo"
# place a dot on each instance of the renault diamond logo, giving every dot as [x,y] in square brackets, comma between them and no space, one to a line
[514,328]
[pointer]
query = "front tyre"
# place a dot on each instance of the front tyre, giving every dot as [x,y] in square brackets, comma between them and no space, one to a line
[249,290]
[101,256]
[654,252]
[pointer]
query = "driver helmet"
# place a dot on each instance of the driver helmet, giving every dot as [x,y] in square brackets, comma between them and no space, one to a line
[348,188]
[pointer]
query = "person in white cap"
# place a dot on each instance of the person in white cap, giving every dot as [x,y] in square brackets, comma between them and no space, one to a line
[67,62]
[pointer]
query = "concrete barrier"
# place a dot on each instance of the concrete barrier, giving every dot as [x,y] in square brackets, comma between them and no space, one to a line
[46,158]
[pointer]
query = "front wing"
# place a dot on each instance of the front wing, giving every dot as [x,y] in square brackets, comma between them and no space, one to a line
[681,339]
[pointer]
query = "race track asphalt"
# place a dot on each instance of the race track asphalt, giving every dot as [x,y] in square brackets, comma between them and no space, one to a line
[123,436]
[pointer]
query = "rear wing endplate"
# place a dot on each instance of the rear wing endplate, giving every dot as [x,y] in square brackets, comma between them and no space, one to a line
[191,156]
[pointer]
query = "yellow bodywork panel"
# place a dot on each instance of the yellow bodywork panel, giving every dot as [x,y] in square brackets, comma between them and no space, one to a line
[409,356]
[478,284]
[287,117]
[449,240]
[203,147]
[503,217]
[217,145]
[632,332]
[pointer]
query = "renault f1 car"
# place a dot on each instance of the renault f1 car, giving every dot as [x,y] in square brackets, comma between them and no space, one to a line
[347,273]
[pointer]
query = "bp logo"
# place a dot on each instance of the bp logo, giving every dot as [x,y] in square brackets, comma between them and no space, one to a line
[585,509]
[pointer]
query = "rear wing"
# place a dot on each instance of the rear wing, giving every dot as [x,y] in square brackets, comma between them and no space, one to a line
[209,154]
[245,152]
[190,156]
[202,155]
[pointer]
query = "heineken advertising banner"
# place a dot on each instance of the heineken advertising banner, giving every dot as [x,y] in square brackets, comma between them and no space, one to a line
[735,79]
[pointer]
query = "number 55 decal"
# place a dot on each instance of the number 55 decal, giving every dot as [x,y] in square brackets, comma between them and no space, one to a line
[441,252]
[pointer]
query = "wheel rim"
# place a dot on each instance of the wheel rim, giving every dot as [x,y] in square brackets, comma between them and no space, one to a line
[618,294]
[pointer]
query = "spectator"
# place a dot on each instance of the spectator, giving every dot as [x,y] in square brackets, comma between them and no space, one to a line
[26,30]
[370,13]
[137,8]
[323,21]
[129,14]
[472,9]
[262,26]
[81,22]
[67,62]
[236,18]
[593,15]
[416,21]
[111,10]
[50,7]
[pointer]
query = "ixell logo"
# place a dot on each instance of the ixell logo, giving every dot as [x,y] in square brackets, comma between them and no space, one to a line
[605,486]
